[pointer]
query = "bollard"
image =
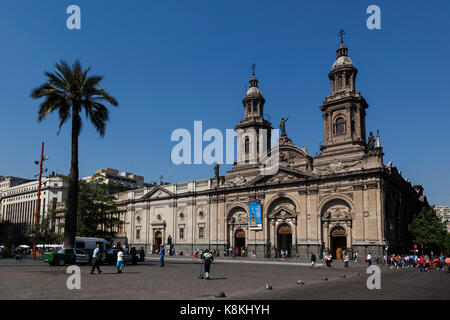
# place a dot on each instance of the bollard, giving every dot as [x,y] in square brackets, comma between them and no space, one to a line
[220,294]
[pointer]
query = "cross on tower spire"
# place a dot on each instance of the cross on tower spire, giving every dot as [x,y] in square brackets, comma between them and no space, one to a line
[253,69]
[341,34]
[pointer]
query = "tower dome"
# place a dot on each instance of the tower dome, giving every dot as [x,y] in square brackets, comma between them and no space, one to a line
[342,58]
[343,72]
[253,91]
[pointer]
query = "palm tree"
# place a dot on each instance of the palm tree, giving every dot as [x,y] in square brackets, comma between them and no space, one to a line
[69,91]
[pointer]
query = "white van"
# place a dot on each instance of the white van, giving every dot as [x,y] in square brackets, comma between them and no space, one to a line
[89,244]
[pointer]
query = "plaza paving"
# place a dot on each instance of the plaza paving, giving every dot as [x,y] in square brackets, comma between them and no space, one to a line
[238,279]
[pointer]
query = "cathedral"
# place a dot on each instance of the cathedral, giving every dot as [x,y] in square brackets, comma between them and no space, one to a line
[345,198]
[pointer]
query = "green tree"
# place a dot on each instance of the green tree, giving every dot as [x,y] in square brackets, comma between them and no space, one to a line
[429,232]
[70,91]
[97,209]
[6,235]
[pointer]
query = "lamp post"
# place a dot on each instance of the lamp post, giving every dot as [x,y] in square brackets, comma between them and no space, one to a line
[42,159]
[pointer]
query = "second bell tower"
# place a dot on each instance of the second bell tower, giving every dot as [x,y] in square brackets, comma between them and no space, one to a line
[344,115]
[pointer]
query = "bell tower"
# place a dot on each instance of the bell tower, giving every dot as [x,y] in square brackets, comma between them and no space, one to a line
[253,132]
[344,110]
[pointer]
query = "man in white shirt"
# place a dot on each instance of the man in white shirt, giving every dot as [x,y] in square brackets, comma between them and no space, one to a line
[369,259]
[120,264]
[96,260]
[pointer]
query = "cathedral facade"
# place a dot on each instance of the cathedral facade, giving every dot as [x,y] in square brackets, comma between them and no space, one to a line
[345,198]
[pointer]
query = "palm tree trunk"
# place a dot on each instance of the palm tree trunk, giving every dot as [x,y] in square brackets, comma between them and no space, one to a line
[70,227]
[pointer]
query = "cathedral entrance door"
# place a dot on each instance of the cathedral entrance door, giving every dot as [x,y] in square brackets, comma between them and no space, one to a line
[158,241]
[338,242]
[239,240]
[284,239]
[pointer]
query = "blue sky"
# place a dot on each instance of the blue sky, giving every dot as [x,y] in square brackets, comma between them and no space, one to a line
[172,62]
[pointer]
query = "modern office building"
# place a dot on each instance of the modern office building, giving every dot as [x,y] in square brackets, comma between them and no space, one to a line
[443,212]
[19,201]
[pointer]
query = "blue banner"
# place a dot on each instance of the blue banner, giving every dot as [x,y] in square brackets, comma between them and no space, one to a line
[254,215]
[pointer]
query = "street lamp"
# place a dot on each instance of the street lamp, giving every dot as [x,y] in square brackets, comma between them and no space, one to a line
[42,159]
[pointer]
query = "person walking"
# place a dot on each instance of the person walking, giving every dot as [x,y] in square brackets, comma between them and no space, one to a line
[142,255]
[96,260]
[357,256]
[369,259]
[207,258]
[313,260]
[120,264]
[447,262]
[325,259]
[161,256]
[346,259]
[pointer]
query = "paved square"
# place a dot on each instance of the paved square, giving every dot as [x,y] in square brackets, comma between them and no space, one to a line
[237,279]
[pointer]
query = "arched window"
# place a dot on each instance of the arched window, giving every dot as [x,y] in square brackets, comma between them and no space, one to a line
[339,126]
[339,82]
[247,145]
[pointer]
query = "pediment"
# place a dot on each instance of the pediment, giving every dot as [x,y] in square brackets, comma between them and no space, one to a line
[284,175]
[282,212]
[290,155]
[157,192]
[337,214]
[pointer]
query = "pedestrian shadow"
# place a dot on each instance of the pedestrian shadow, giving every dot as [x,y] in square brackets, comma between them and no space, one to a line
[218,278]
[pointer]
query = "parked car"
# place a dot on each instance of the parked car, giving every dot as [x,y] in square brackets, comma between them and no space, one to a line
[110,256]
[65,256]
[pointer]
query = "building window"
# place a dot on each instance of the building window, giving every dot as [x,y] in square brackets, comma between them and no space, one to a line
[339,82]
[138,219]
[201,214]
[339,126]
[181,233]
[138,234]
[181,215]
[247,145]
[201,232]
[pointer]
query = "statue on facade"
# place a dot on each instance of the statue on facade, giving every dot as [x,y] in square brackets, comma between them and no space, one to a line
[371,142]
[216,171]
[283,126]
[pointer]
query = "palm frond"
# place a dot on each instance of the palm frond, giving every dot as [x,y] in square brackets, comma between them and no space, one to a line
[68,90]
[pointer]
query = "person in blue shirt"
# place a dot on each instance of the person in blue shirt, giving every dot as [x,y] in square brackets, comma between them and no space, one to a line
[161,254]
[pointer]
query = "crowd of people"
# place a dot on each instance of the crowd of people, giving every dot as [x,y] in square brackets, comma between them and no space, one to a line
[423,263]
[198,253]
